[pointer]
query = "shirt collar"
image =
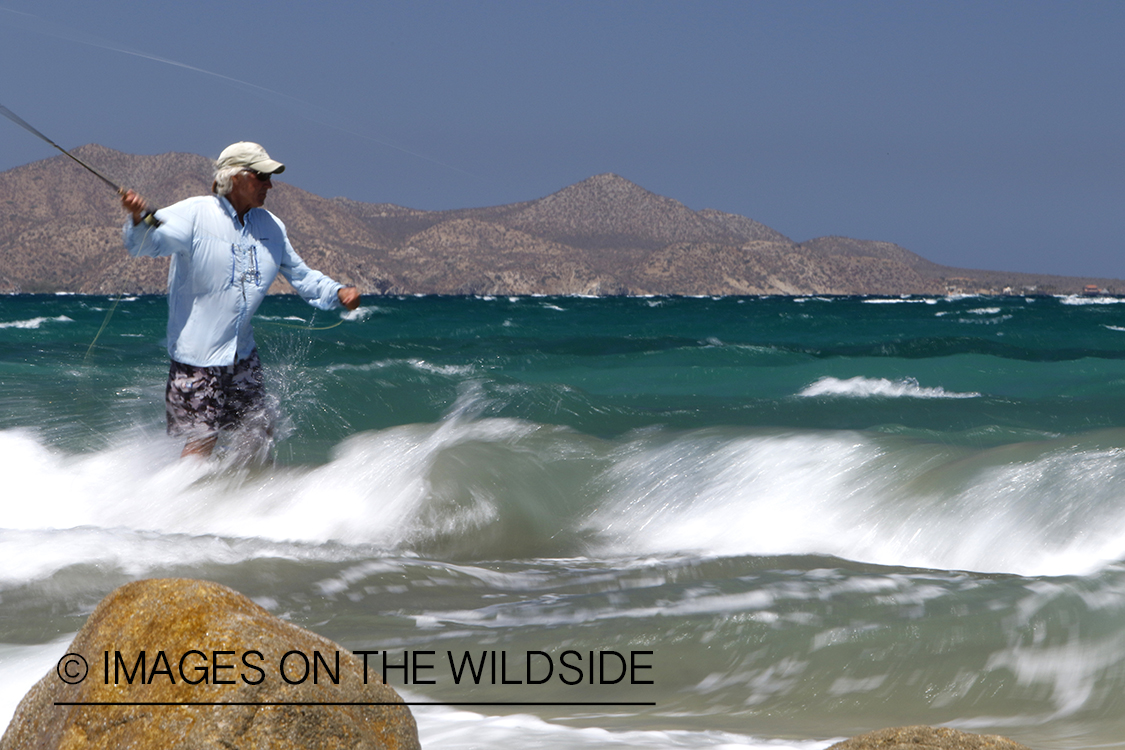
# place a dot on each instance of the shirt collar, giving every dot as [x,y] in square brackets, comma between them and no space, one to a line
[227,207]
[225,204]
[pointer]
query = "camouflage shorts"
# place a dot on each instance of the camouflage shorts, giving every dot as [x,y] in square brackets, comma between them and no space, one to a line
[201,401]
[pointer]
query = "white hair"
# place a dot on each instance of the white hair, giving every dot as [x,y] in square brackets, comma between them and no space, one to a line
[224,180]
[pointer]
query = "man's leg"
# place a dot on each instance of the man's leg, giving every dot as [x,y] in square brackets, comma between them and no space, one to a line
[247,411]
[201,448]
[193,406]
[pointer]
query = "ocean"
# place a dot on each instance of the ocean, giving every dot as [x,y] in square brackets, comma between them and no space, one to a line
[672,522]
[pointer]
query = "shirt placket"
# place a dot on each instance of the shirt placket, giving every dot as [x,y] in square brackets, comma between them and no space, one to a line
[245,273]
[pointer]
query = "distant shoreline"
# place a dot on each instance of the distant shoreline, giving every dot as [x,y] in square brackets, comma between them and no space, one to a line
[423,295]
[602,237]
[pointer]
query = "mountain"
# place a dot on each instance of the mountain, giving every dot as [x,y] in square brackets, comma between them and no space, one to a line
[60,230]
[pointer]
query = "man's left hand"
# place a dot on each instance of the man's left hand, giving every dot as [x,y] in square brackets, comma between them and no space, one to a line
[349,297]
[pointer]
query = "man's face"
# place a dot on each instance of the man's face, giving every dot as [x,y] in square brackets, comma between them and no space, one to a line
[248,190]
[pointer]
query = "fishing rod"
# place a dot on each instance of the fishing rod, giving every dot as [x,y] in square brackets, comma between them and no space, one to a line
[149,217]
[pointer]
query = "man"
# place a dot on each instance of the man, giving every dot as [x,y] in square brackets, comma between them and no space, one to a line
[226,251]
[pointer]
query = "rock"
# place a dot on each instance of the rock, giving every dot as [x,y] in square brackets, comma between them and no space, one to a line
[196,631]
[926,738]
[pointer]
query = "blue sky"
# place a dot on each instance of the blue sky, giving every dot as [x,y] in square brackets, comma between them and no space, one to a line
[977,134]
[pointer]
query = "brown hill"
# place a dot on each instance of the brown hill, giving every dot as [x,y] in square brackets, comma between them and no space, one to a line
[60,231]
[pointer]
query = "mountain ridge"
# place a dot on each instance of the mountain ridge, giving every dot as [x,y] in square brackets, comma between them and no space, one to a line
[60,232]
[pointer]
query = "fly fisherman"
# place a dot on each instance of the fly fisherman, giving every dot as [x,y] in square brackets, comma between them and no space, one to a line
[226,251]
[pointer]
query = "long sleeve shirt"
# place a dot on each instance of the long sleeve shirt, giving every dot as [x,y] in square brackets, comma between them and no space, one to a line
[220,271]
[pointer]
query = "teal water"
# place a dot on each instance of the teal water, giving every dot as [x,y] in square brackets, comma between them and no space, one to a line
[821,516]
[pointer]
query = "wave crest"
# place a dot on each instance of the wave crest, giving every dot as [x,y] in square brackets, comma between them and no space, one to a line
[861,387]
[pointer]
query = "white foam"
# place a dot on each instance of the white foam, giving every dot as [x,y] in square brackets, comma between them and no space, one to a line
[376,490]
[33,323]
[1074,299]
[901,301]
[420,365]
[1072,670]
[1048,509]
[453,729]
[35,555]
[861,387]
[23,666]
[361,313]
[1049,512]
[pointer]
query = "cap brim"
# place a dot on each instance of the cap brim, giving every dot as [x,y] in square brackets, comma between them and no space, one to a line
[267,166]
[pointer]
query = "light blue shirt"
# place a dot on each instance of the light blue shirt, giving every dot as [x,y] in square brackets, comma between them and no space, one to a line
[220,272]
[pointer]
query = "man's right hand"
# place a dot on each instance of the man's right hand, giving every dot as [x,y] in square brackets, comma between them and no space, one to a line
[135,205]
[349,297]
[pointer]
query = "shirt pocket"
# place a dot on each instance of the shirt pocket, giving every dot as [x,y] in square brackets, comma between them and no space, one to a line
[270,252]
[214,265]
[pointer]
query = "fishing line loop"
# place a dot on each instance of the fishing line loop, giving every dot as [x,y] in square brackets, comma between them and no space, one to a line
[109,313]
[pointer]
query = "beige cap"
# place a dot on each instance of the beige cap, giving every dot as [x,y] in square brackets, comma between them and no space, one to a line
[248,155]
